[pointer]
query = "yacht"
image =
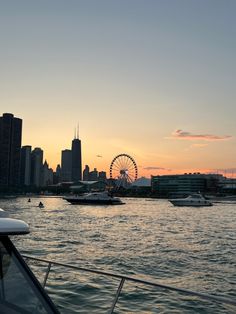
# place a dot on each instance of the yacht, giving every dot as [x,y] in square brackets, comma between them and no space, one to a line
[20,291]
[96,198]
[195,200]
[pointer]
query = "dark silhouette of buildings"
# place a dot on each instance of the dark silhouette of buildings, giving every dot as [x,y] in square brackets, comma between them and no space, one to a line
[25,166]
[71,162]
[57,175]
[102,176]
[37,167]
[93,175]
[66,165]
[184,184]
[10,145]
[76,160]
[47,175]
[33,172]
[86,173]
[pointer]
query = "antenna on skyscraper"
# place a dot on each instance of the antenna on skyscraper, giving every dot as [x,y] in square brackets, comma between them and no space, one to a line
[75,134]
[78,131]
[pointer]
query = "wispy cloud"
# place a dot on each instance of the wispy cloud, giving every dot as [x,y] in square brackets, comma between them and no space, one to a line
[199,145]
[99,156]
[156,168]
[225,170]
[183,135]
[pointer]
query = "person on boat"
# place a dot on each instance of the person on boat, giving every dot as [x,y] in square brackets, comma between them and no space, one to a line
[40,204]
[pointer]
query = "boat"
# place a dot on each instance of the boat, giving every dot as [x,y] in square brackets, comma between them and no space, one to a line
[193,200]
[8,197]
[20,290]
[95,198]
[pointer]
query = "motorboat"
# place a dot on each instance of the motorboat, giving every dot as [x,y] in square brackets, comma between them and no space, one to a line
[95,198]
[20,290]
[195,200]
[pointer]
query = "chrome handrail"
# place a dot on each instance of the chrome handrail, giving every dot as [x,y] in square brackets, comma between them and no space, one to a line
[124,278]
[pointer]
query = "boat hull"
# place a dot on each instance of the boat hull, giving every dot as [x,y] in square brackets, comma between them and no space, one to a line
[93,202]
[190,204]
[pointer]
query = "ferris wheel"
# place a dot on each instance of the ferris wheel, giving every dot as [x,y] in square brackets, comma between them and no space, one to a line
[124,169]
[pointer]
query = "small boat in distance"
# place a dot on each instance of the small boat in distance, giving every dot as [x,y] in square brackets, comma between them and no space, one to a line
[193,200]
[96,198]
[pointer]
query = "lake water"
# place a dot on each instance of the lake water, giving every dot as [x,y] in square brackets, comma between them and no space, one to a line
[192,248]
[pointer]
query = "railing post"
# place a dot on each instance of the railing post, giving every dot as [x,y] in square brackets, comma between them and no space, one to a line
[46,275]
[117,295]
[201,295]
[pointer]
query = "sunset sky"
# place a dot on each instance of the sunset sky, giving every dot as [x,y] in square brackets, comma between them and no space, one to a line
[155,79]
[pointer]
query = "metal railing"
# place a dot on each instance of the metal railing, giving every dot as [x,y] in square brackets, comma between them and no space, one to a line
[123,278]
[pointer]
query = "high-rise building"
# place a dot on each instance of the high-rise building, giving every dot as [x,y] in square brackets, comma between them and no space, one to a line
[93,175]
[57,175]
[36,166]
[86,173]
[47,175]
[10,145]
[102,176]
[25,165]
[76,159]
[66,165]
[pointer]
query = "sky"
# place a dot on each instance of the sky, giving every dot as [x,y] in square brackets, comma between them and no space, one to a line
[154,79]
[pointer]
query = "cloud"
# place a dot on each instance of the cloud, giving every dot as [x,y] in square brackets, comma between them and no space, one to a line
[155,168]
[228,170]
[99,156]
[183,135]
[199,145]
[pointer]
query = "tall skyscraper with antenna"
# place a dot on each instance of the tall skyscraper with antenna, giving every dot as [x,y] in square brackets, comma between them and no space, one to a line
[76,157]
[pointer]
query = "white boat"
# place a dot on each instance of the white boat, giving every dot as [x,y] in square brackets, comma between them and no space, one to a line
[20,291]
[97,198]
[195,200]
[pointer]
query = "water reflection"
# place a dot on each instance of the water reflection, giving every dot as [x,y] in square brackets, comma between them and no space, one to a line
[187,247]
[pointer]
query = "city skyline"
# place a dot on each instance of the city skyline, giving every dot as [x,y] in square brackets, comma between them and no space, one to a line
[153,79]
[227,172]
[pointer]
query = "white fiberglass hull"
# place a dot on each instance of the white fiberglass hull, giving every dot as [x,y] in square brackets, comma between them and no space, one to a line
[179,202]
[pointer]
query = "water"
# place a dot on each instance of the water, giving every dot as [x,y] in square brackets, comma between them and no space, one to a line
[192,248]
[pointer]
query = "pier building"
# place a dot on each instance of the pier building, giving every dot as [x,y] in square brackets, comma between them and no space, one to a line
[184,184]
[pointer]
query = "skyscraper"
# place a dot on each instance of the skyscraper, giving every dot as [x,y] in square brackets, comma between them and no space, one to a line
[36,166]
[93,175]
[57,175]
[10,145]
[47,174]
[25,165]
[86,173]
[76,159]
[66,165]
